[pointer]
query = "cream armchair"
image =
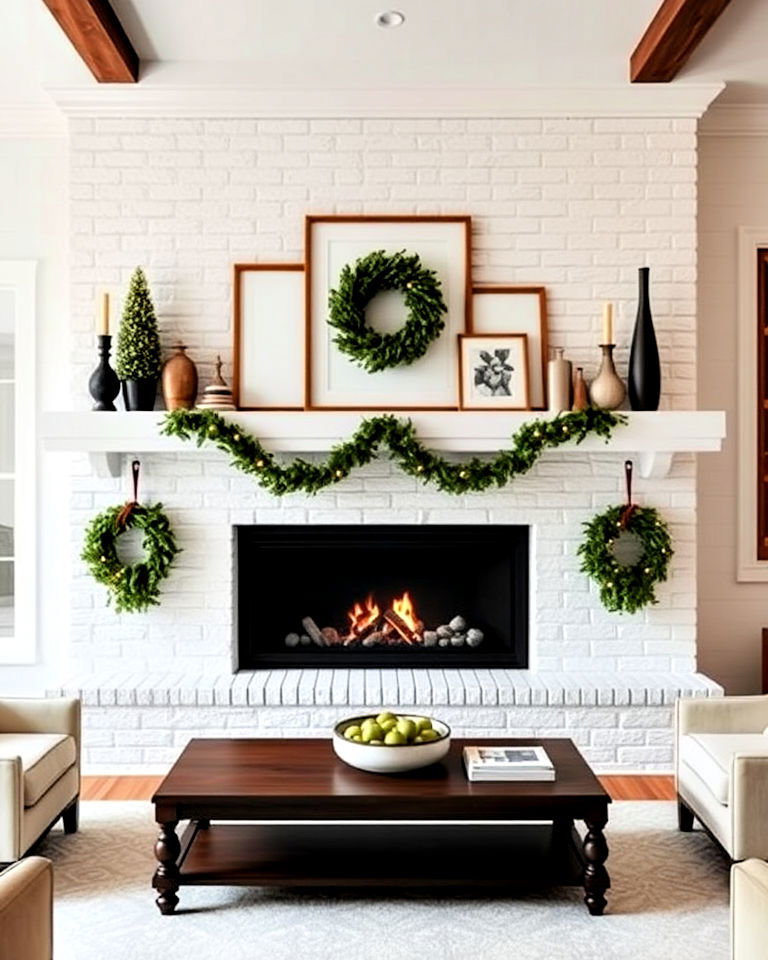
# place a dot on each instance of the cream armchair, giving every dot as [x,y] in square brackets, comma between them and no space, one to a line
[722,771]
[39,771]
[26,910]
[749,910]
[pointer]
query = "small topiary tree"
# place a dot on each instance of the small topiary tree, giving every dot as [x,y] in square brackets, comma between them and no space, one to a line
[138,343]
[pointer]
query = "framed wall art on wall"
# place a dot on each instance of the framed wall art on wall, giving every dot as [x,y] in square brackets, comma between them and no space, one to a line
[334,380]
[516,309]
[268,326]
[493,371]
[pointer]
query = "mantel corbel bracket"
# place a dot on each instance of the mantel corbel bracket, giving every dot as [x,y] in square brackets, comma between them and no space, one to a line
[654,464]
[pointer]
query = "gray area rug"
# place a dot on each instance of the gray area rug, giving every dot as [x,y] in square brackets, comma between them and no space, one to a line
[669,899]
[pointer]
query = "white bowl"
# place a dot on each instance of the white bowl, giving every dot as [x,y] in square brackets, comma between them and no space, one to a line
[390,758]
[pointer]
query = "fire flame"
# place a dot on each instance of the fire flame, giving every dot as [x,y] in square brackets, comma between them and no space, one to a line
[403,607]
[362,617]
[365,615]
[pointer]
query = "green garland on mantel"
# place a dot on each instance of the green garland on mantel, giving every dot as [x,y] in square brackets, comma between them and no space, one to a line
[413,458]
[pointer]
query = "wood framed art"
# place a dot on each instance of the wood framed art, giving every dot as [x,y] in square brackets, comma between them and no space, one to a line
[493,371]
[333,380]
[516,309]
[268,330]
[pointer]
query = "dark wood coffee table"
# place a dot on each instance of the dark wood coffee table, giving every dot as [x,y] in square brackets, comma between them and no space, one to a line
[303,780]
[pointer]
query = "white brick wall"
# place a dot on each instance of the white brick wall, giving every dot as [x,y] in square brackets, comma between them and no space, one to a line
[193,628]
[145,740]
[574,204]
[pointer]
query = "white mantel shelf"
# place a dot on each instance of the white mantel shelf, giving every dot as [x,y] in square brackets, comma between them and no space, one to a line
[650,437]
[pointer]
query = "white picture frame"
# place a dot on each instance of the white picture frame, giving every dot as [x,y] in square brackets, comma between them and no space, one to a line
[268,336]
[334,380]
[517,309]
[493,371]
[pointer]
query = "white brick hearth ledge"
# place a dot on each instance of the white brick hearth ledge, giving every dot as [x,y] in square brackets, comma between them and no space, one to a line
[385,687]
[620,722]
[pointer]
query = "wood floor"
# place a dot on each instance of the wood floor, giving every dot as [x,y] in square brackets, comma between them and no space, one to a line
[142,788]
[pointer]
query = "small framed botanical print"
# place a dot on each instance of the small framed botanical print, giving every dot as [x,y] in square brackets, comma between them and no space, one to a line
[493,371]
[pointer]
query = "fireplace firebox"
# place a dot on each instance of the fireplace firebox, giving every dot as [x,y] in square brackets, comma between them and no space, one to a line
[382,596]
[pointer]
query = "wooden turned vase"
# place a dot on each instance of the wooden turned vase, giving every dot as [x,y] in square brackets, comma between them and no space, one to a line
[179,380]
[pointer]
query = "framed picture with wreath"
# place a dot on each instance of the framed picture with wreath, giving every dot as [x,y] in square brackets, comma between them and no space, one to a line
[268,332]
[386,298]
[516,309]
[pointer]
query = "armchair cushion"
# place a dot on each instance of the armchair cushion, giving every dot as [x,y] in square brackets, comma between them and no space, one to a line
[45,757]
[749,909]
[26,910]
[710,756]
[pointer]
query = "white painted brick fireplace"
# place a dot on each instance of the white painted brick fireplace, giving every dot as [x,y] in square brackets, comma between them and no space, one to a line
[573,204]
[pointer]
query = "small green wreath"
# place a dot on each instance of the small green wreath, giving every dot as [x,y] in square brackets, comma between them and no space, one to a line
[358,285]
[134,587]
[626,552]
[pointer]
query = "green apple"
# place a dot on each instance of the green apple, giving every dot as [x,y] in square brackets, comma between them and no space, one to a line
[388,724]
[385,716]
[353,730]
[372,731]
[375,743]
[407,727]
[357,738]
[423,723]
[419,740]
[427,735]
[394,737]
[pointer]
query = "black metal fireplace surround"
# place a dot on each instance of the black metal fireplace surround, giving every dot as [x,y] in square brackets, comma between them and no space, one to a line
[288,573]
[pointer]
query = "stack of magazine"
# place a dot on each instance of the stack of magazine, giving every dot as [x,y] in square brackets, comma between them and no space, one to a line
[485,764]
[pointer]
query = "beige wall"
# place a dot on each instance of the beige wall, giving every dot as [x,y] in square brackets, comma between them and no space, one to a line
[733,192]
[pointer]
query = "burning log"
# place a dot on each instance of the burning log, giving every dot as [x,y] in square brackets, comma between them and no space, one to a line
[396,621]
[331,635]
[314,631]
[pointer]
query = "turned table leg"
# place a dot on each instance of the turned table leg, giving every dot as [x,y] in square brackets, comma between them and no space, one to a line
[166,878]
[596,879]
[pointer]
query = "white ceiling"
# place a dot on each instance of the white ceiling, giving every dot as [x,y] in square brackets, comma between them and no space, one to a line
[310,44]
[485,43]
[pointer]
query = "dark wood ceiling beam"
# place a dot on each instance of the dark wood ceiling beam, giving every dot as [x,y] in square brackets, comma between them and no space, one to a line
[674,33]
[98,36]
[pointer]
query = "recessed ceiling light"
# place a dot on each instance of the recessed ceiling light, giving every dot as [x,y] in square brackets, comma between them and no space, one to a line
[389,19]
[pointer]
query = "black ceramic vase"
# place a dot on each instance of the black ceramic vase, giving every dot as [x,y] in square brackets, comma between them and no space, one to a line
[139,394]
[644,378]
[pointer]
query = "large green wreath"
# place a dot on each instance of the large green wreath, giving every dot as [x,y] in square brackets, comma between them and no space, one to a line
[134,587]
[626,587]
[358,285]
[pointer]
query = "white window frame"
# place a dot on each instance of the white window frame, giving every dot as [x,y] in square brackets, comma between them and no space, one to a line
[749,568]
[19,277]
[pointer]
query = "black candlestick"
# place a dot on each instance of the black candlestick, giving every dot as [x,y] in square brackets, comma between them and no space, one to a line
[104,385]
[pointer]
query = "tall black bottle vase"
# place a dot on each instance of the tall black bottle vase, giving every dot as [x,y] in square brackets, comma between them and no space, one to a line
[644,377]
[103,384]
